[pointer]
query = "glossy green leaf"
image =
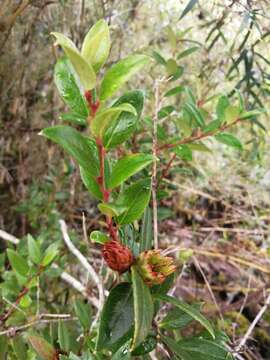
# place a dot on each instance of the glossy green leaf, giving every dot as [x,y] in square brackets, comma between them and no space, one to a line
[174,91]
[121,128]
[63,336]
[33,249]
[98,237]
[197,349]
[120,73]
[194,112]
[143,308]
[69,90]
[90,183]
[82,149]
[165,111]
[82,67]
[188,8]
[177,318]
[187,52]
[83,312]
[123,353]
[135,197]
[159,58]
[148,345]
[105,118]
[229,139]
[111,209]
[96,44]
[117,318]
[50,254]
[18,263]
[73,118]
[45,350]
[194,313]
[128,166]
[146,237]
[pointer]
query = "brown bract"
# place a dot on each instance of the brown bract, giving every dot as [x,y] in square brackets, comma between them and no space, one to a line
[117,256]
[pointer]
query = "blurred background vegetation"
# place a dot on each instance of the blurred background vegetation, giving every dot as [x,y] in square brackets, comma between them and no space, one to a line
[219,202]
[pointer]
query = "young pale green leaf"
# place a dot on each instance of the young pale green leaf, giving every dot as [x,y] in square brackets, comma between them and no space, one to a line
[128,166]
[223,103]
[120,73]
[69,90]
[44,349]
[188,52]
[84,313]
[105,118]
[90,183]
[121,128]
[251,113]
[117,318]
[98,237]
[143,308]
[84,70]
[82,149]
[63,336]
[199,147]
[194,313]
[18,263]
[146,238]
[111,209]
[197,349]
[135,197]
[33,250]
[230,140]
[96,44]
[50,253]
[231,114]
[171,67]
[212,126]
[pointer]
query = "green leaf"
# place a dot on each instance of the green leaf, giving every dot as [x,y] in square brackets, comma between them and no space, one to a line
[117,318]
[159,58]
[128,166]
[194,313]
[223,103]
[194,112]
[121,128]
[42,347]
[98,237]
[251,113]
[19,347]
[84,313]
[229,139]
[105,118]
[123,353]
[96,44]
[174,91]
[171,67]
[82,67]
[111,209]
[177,319]
[148,345]
[146,238]
[82,149]
[63,336]
[197,349]
[73,118]
[120,73]
[18,263]
[184,152]
[33,249]
[231,114]
[69,90]
[187,52]
[143,309]
[212,126]
[50,253]
[188,8]
[135,197]
[90,183]
[165,111]
[3,347]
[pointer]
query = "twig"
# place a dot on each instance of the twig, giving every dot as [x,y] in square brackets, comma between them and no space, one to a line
[253,324]
[8,237]
[83,261]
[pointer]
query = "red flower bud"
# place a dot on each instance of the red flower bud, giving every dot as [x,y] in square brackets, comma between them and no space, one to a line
[117,256]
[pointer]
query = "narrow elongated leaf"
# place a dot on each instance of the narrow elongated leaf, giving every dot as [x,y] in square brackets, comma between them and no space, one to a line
[96,44]
[159,58]
[105,118]
[63,336]
[90,183]
[84,313]
[143,308]
[174,91]
[117,318]
[18,263]
[194,313]
[50,253]
[128,166]
[197,349]
[229,139]
[98,237]
[82,149]
[33,249]
[135,197]
[177,319]
[3,347]
[111,209]
[187,52]
[45,350]
[223,103]
[120,73]
[121,128]
[19,347]
[194,113]
[251,113]
[82,67]
[188,8]
[65,80]
[146,238]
